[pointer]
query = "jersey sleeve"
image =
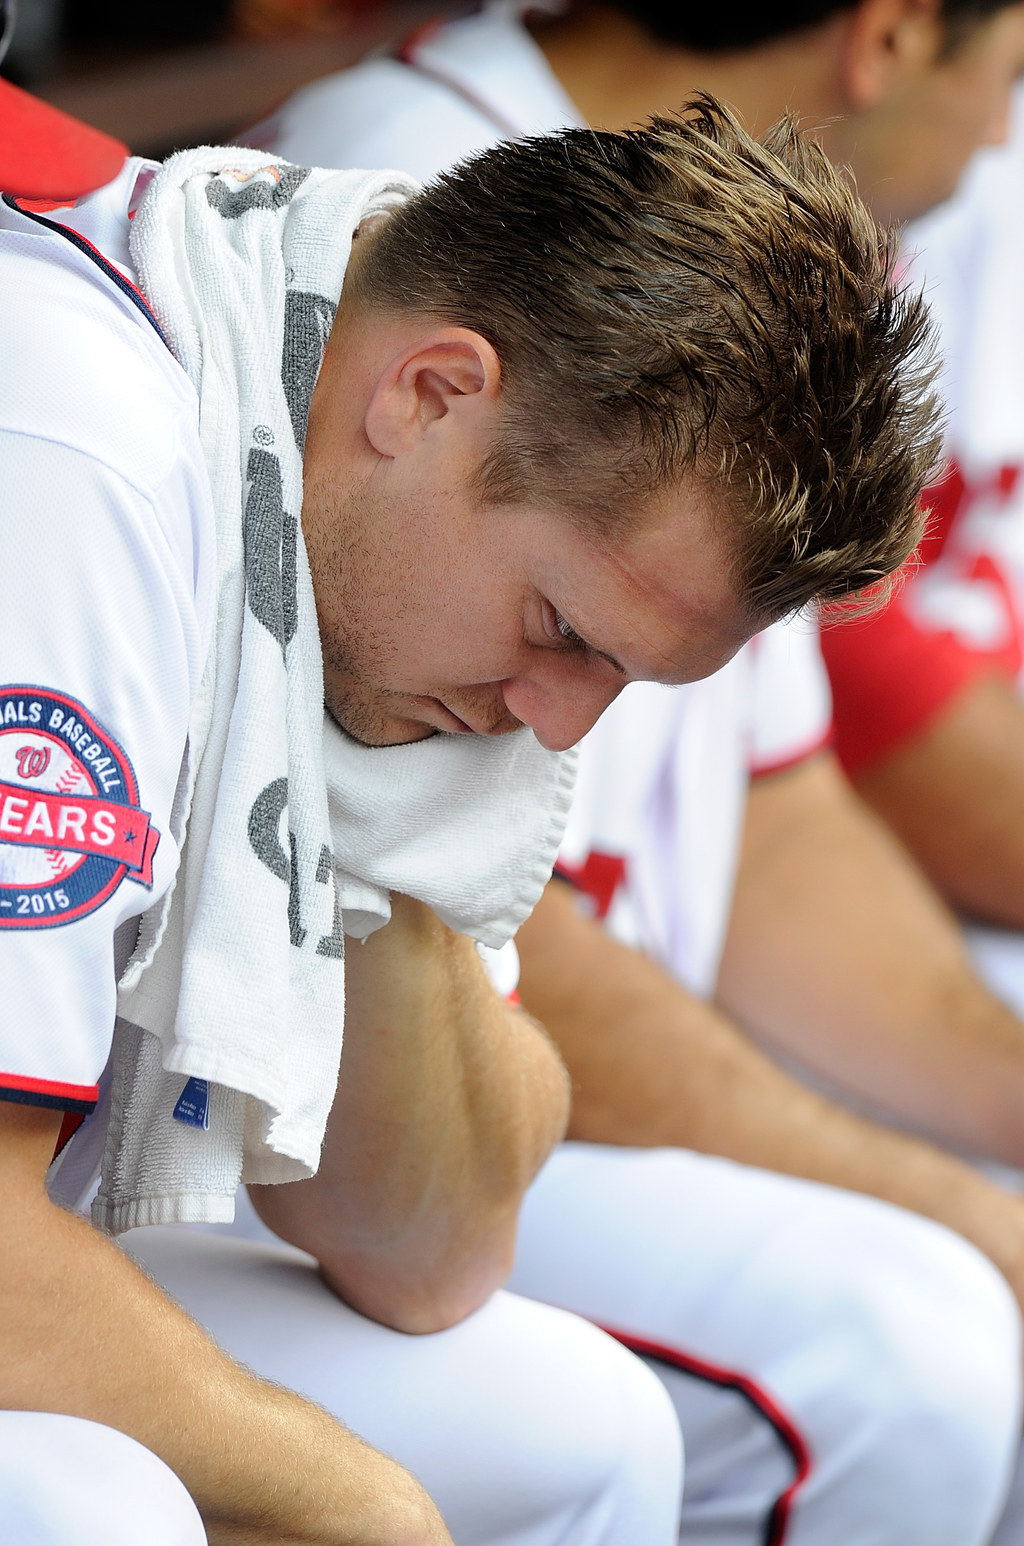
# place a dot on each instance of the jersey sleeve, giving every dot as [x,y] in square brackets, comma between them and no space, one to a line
[892,676]
[790,705]
[955,618]
[100,643]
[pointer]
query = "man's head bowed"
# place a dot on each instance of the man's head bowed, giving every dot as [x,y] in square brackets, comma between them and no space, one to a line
[683,299]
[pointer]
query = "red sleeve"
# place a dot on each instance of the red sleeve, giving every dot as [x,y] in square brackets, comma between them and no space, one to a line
[893,672]
[890,679]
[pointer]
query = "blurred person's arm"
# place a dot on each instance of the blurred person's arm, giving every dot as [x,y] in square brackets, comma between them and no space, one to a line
[840,955]
[652,1065]
[954,794]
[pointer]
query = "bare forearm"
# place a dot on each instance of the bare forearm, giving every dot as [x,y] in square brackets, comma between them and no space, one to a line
[955,796]
[84,1333]
[814,1138]
[652,1065]
[839,955]
[447,1105]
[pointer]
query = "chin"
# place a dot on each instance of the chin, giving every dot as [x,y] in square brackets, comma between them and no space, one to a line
[373,727]
[391,732]
[402,732]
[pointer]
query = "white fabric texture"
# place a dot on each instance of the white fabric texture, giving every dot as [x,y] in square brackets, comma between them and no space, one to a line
[237,978]
[233,264]
[467,823]
[663,784]
[890,1344]
[526,1426]
[969,256]
[65,1481]
[120,573]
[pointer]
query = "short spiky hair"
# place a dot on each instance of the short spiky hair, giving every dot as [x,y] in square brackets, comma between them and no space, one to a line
[683,299]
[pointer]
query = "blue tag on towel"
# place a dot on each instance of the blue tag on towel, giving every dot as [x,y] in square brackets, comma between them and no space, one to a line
[193,1105]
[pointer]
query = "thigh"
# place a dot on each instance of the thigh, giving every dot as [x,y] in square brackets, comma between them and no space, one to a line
[526,1425]
[68,1482]
[839,1365]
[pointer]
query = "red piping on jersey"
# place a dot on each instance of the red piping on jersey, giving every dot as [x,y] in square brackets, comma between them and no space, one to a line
[820,743]
[777,1523]
[85,246]
[48,1092]
[406,50]
[68,1128]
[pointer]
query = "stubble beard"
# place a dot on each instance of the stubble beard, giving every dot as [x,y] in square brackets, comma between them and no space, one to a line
[360,654]
[363,716]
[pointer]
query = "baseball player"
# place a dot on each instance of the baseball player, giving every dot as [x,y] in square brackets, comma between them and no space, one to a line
[764,1286]
[170,897]
[964,604]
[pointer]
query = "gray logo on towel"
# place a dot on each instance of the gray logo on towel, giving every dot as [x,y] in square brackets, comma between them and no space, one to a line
[270,537]
[268,188]
[265,840]
[264,836]
[308,319]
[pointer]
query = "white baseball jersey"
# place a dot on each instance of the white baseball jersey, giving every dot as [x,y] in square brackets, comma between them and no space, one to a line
[969,255]
[448,93]
[654,833]
[960,613]
[109,542]
[111,558]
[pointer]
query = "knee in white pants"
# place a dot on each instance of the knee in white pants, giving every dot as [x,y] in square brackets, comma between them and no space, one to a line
[68,1482]
[526,1425]
[928,1424]
[891,1344]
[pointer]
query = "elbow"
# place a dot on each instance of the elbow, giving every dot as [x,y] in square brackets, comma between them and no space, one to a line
[420,1297]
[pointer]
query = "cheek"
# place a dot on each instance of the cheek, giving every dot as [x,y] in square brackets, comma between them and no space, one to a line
[461,629]
[980,115]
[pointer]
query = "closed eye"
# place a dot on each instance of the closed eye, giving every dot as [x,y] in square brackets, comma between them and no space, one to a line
[570,636]
[569,633]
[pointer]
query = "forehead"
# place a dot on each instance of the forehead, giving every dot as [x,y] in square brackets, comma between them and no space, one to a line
[667,591]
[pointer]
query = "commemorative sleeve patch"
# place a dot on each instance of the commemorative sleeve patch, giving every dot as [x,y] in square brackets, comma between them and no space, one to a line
[71,828]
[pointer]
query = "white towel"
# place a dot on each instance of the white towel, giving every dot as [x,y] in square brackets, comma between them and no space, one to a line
[228,1041]
[470,825]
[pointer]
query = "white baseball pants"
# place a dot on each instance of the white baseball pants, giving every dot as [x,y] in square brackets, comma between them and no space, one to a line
[527,1426]
[68,1482]
[845,1373]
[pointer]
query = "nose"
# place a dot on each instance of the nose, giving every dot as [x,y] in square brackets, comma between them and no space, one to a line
[560,705]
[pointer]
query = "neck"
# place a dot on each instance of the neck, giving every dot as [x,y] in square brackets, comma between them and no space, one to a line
[617,74]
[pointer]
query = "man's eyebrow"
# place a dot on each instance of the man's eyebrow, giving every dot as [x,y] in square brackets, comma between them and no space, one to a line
[602,654]
[593,650]
[611,660]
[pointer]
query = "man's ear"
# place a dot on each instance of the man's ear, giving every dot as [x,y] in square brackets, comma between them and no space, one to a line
[887,44]
[445,378]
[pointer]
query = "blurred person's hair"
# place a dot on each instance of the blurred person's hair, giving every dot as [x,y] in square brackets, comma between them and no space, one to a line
[730,28]
[8,16]
[683,298]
